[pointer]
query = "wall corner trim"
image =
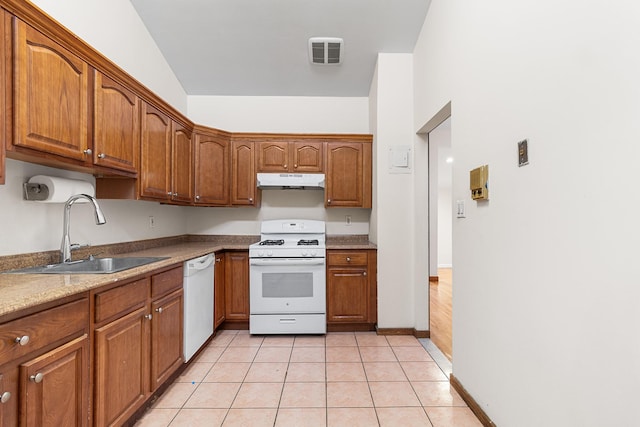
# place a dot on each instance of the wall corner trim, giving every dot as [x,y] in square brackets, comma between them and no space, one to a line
[471,402]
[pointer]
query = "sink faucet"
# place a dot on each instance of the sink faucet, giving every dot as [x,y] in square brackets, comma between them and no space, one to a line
[65,247]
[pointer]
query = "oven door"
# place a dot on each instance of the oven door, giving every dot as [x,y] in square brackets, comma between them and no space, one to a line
[287,285]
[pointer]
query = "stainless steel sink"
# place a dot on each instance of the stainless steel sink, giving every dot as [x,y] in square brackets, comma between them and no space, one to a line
[90,266]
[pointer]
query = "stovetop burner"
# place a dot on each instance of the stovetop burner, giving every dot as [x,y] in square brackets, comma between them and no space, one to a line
[279,242]
[303,242]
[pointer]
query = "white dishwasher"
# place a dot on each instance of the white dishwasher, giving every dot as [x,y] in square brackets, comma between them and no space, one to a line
[198,303]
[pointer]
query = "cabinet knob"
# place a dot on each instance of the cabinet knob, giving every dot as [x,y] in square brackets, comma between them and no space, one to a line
[175,194]
[284,166]
[218,259]
[250,200]
[87,151]
[329,201]
[348,259]
[5,397]
[295,166]
[364,273]
[169,193]
[23,340]
[102,156]
[197,197]
[159,309]
[148,316]
[37,378]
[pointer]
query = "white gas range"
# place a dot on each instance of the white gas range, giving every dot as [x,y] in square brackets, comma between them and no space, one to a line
[287,278]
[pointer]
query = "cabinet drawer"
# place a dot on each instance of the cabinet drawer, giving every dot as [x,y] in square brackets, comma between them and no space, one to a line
[166,282]
[121,300]
[346,258]
[42,329]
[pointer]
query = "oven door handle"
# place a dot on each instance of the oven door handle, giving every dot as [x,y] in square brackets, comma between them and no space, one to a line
[286,261]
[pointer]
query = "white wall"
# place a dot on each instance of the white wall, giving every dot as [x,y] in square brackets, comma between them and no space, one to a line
[271,115]
[545,296]
[116,30]
[32,226]
[403,302]
[288,114]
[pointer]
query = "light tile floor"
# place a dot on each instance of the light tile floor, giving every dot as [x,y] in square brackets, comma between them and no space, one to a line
[341,379]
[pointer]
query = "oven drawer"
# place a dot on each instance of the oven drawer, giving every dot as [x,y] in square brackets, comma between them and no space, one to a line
[288,324]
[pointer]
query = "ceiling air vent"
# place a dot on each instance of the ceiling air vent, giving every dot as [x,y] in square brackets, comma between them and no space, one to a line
[325,50]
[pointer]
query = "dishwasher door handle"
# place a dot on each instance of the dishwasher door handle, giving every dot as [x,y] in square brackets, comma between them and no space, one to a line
[200,263]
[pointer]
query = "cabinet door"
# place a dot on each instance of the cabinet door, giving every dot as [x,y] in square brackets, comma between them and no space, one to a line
[182,165]
[236,286]
[243,185]
[307,157]
[212,170]
[9,387]
[344,186]
[116,142]
[4,112]
[218,291]
[55,387]
[155,168]
[273,156]
[50,96]
[347,294]
[121,366]
[166,337]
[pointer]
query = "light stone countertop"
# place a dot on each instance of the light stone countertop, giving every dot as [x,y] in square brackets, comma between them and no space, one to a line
[22,291]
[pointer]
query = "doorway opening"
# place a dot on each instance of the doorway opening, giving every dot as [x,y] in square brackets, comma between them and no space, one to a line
[440,163]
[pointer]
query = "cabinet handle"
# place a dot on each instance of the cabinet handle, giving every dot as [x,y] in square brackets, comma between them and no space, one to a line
[87,151]
[169,193]
[218,259]
[159,309]
[37,378]
[23,340]
[148,316]
[5,397]
[175,194]
[102,156]
[348,259]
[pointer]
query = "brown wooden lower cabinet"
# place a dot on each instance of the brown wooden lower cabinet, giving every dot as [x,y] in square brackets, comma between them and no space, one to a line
[218,291]
[44,367]
[351,290]
[138,343]
[237,286]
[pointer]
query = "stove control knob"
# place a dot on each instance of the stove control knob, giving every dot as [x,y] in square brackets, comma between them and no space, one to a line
[260,253]
[312,253]
[269,253]
[304,253]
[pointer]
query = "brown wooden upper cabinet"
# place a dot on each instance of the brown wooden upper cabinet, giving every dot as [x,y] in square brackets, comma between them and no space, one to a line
[290,156]
[181,165]
[50,97]
[116,139]
[155,158]
[212,169]
[243,175]
[348,174]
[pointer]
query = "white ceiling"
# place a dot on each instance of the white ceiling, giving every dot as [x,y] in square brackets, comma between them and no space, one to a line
[259,47]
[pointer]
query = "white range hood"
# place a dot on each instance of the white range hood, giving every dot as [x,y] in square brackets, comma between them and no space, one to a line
[291,180]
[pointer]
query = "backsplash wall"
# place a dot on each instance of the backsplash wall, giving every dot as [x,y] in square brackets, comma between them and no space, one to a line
[33,227]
